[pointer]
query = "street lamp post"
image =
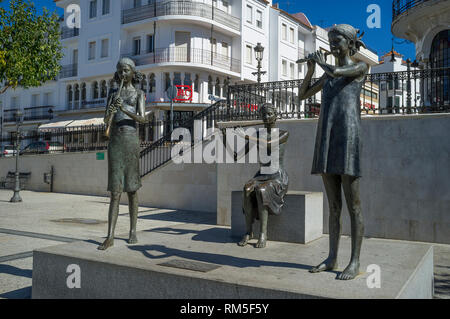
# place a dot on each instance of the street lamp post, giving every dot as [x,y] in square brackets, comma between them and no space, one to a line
[259,53]
[16,197]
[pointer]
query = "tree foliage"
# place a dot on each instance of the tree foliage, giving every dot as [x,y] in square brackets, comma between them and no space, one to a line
[30,48]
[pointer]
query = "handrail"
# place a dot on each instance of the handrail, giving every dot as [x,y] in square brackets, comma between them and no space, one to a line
[401,6]
[186,8]
[185,55]
[159,152]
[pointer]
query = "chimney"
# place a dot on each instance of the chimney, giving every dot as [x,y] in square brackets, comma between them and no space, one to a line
[276,5]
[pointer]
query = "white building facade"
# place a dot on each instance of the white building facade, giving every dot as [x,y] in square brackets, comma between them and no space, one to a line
[427,24]
[393,93]
[205,44]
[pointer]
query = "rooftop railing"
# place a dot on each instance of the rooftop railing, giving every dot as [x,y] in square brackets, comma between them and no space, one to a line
[184,55]
[401,6]
[68,71]
[186,8]
[67,32]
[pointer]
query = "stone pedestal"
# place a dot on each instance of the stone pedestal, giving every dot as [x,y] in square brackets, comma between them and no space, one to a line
[201,261]
[301,220]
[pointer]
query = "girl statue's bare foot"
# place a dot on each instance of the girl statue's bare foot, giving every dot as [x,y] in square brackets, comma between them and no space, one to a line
[327,264]
[109,242]
[133,238]
[245,240]
[350,272]
[262,241]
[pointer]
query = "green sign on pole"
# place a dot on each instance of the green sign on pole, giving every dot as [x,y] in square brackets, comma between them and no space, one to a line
[100,156]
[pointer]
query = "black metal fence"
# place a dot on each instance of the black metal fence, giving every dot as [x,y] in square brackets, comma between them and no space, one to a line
[160,152]
[406,92]
[83,138]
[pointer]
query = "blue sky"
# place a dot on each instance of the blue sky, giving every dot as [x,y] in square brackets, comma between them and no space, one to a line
[328,12]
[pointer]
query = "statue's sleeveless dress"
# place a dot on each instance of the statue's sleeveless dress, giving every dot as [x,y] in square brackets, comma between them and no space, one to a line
[338,140]
[273,186]
[124,150]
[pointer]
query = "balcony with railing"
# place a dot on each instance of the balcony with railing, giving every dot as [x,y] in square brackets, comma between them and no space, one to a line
[67,32]
[184,55]
[400,7]
[184,8]
[35,113]
[68,71]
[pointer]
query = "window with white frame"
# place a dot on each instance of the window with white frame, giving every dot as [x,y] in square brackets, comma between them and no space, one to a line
[14,102]
[259,19]
[284,31]
[105,48]
[292,66]
[106,7]
[226,5]
[137,46]
[150,43]
[48,98]
[291,35]
[214,46]
[91,52]
[249,14]
[93,9]
[284,67]
[34,100]
[225,49]
[248,54]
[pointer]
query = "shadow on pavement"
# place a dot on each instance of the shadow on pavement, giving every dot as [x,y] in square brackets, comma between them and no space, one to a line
[11,270]
[218,259]
[212,235]
[24,293]
[183,216]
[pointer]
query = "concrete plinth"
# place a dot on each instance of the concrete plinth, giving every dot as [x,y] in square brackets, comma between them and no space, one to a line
[199,261]
[301,220]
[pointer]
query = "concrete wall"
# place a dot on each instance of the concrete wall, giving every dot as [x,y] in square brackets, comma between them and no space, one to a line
[186,186]
[405,188]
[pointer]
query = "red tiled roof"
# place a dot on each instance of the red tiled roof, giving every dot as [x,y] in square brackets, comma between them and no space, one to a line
[300,16]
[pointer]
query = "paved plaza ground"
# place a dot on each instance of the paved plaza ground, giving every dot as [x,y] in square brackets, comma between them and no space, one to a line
[47,219]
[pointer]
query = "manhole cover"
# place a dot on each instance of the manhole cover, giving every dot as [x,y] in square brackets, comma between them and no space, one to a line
[80,221]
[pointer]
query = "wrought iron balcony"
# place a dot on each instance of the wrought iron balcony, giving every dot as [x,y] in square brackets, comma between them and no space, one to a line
[68,71]
[185,8]
[401,6]
[93,104]
[67,32]
[35,113]
[183,55]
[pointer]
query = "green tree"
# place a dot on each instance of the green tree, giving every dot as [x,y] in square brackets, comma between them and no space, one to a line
[30,48]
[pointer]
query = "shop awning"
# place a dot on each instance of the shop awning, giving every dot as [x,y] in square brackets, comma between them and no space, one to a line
[92,121]
[54,125]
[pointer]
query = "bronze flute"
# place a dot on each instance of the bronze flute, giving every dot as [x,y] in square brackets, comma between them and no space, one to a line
[110,121]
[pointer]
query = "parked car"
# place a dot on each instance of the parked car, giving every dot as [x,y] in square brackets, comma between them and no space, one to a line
[9,150]
[43,147]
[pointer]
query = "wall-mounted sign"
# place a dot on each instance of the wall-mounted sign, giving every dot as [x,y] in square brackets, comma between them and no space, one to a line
[184,93]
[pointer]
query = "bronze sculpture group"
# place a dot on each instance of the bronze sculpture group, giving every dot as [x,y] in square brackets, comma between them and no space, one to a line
[337,153]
